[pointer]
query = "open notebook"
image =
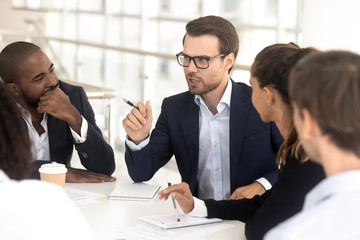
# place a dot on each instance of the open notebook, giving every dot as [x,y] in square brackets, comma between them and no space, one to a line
[134,191]
[168,221]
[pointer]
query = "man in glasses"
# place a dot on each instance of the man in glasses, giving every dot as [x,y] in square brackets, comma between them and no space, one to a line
[222,148]
[58,116]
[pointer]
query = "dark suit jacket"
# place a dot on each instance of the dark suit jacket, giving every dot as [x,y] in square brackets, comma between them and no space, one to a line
[253,143]
[284,200]
[95,154]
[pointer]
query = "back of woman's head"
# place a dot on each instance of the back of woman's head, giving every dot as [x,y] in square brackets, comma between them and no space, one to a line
[15,155]
[272,66]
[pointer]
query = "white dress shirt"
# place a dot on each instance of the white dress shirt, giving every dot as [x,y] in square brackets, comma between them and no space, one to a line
[331,211]
[40,147]
[214,148]
[35,210]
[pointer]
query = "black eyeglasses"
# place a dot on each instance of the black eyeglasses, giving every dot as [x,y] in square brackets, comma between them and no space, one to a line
[200,62]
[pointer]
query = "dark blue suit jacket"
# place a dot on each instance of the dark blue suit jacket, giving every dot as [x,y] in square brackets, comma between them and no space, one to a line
[253,143]
[95,154]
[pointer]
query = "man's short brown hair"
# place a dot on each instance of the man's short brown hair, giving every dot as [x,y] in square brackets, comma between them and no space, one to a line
[327,84]
[219,27]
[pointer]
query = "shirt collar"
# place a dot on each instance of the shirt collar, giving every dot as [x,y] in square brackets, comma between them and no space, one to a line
[340,183]
[27,116]
[225,99]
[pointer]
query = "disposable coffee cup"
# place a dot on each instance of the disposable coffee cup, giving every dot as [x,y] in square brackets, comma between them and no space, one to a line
[54,173]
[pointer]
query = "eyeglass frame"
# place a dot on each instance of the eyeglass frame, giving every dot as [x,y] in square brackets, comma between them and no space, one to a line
[193,59]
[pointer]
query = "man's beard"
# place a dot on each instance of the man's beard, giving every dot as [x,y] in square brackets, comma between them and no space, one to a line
[205,89]
[30,101]
[34,102]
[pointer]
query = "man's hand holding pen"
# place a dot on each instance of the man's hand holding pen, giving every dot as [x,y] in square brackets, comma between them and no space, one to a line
[138,122]
[181,193]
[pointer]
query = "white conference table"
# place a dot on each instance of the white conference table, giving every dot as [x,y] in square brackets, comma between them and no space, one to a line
[108,218]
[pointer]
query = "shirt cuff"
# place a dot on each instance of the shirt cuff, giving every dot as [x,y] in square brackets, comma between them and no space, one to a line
[133,146]
[200,209]
[265,183]
[83,131]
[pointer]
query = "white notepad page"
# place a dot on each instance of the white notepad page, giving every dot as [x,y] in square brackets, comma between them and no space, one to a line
[169,221]
[134,191]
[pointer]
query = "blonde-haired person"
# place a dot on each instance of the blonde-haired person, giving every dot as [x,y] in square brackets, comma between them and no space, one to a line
[327,118]
[30,209]
[269,80]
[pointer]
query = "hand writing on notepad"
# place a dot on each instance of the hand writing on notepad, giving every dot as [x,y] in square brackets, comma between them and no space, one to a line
[181,193]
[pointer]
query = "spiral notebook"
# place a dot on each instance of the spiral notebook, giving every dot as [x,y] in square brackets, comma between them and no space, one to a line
[134,192]
[169,221]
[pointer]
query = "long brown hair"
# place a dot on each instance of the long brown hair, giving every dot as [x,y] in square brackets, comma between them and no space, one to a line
[271,68]
[15,155]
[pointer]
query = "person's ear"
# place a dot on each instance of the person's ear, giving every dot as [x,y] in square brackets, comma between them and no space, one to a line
[269,95]
[229,60]
[14,89]
[310,128]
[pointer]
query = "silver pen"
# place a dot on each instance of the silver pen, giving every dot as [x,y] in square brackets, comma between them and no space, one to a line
[176,210]
[131,104]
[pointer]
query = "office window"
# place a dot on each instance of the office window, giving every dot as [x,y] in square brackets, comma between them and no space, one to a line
[133,7]
[90,6]
[165,5]
[130,45]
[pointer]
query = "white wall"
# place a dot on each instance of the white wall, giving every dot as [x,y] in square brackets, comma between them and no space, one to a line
[332,24]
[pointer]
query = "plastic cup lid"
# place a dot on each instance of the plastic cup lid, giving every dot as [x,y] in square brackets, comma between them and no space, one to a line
[53,168]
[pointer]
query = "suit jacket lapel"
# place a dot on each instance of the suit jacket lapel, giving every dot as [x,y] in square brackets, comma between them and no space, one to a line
[58,133]
[190,126]
[239,108]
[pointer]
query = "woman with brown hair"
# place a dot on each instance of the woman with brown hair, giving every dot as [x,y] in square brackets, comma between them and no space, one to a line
[15,156]
[269,81]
